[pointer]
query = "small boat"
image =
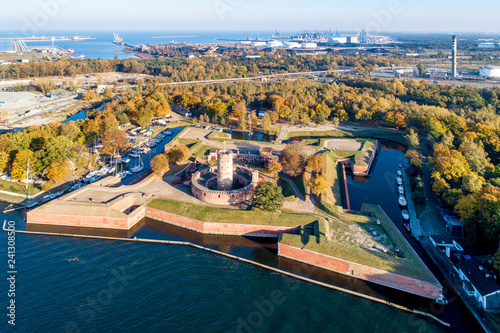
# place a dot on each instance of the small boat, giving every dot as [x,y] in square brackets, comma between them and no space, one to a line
[138,167]
[405,214]
[399,173]
[168,132]
[402,201]
[111,170]
[125,174]
[126,160]
[401,190]
[399,181]
[134,155]
[407,226]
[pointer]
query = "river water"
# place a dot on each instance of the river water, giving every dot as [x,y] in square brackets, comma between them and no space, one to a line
[88,285]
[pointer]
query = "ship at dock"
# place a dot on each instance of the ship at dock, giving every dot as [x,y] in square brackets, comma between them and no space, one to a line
[78,38]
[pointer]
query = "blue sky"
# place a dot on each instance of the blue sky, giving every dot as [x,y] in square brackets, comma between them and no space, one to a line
[252,15]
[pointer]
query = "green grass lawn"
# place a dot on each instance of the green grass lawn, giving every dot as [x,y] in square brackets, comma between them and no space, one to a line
[220,215]
[317,134]
[17,188]
[301,184]
[368,133]
[286,188]
[219,136]
[333,195]
[353,241]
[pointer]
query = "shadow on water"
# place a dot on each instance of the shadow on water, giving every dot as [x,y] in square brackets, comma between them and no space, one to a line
[251,136]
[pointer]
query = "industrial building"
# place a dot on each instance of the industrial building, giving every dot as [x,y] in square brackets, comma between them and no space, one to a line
[490,71]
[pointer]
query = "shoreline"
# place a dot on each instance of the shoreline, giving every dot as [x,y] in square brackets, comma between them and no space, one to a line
[325,285]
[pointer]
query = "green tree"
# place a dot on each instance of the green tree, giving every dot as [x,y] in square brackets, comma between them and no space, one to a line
[54,148]
[421,69]
[496,260]
[412,139]
[242,120]
[475,155]
[266,122]
[471,183]
[268,196]
[179,154]
[160,164]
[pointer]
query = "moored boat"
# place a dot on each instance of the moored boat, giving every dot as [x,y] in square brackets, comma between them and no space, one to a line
[402,201]
[405,214]
[401,190]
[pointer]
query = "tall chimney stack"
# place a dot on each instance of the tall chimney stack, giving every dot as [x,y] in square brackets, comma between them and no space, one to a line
[454,56]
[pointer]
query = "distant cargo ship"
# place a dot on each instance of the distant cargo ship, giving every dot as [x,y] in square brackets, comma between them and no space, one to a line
[80,38]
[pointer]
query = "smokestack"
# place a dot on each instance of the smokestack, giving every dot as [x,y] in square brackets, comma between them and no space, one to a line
[454,56]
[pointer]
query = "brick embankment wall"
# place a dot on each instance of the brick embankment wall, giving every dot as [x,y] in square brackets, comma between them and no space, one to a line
[407,284]
[87,221]
[232,229]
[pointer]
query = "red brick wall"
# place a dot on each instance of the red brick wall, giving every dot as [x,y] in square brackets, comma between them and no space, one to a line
[78,221]
[388,279]
[217,228]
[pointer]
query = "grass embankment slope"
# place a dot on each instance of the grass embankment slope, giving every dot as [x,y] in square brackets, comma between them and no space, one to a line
[221,215]
[17,188]
[359,239]
[363,133]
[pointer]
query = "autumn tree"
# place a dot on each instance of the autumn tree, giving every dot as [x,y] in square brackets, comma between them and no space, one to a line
[20,164]
[57,170]
[179,154]
[292,162]
[479,214]
[90,95]
[274,168]
[414,158]
[315,163]
[318,184]
[114,142]
[4,161]
[268,196]
[160,164]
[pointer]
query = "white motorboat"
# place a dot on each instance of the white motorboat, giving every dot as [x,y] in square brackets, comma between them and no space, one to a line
[401,190]
[405,214]
[399,173]
[402,201]
[399,181]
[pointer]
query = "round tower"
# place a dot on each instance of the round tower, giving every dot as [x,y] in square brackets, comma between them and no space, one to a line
[224,170]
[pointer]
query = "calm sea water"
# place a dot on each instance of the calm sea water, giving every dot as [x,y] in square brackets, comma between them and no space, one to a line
[85,285]
[103,47]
